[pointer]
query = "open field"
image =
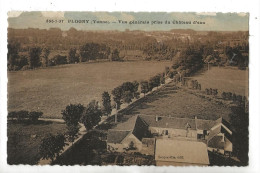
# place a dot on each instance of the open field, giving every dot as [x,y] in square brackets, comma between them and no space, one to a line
[24,140]
[178,103]
[227,79]
[50,90]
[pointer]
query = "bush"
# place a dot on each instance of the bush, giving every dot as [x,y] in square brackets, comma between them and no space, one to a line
[22,115]
[57,60]
[224,95]
[215,92]
[229,95]
[234,97]
[12,115]
[51,146]
[34,116]
[26,67]
[207,91]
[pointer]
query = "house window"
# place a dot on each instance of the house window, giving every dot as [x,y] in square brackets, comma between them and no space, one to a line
[166,132]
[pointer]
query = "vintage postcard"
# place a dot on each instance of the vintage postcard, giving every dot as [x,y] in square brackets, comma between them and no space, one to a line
[128,88]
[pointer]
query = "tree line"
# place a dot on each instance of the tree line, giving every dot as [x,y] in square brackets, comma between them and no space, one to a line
[40,57]
[24,116]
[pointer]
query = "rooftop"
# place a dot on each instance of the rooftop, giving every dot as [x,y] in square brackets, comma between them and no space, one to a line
[116,136]
[192,152]
[169,122]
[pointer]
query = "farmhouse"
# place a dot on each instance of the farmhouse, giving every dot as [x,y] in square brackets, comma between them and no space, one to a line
[169,138]
[127,136]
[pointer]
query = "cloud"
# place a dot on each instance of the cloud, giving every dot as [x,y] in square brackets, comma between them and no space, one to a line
[14,13]
[206,14]
[53,14]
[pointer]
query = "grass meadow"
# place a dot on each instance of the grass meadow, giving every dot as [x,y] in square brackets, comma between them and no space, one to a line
[225,79]
[24,140]
[50,90]
[178,103]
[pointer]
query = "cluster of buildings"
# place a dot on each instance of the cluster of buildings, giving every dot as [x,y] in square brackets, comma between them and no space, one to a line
[172,141]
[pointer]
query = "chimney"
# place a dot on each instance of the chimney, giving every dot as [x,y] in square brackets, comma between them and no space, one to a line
[196,122]
[116,118]
[156,118]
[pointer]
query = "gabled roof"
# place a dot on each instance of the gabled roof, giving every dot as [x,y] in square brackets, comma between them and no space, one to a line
[192,152]
[134,125]
[116,136]
[128,125]
[169,122]
[205,124]
[216,142]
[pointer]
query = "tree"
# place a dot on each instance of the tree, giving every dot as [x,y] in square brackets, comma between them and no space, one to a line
[127,96]
[72,56]
[128,89]
[106,100]
[189,59]
[229,95]
[117,96]
[34,57]
[239,120]
[46,53]
[115,55]
[51,146]
[136,93]
[22,115]
[72,132]
[167,70]
[91,115]
[34,116]
[234,97]
[207,91]
[144,87]
[162,78]
[12,115]
[215,92]
[199,86]
[72,114]
[89,51]
[12,55]
[224,95]
[154,82]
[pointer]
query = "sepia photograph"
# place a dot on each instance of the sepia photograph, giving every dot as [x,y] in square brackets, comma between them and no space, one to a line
[128,88]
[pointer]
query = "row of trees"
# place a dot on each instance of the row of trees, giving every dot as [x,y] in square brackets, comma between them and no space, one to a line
[210,91]
[125,93]
[39,57]
[22,116]
[153,82]
[234,97]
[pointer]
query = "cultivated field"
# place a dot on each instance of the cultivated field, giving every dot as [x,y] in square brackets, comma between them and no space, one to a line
[50,90]
[24,140]
[227,79]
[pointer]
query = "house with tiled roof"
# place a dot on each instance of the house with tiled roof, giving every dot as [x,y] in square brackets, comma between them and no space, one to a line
[132,134]
[127,136]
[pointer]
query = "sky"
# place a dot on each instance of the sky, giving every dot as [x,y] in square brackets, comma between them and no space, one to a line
[213,21]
